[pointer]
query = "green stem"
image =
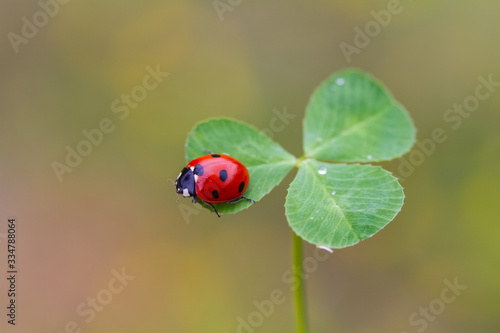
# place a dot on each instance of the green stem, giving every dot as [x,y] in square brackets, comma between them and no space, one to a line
[299,284]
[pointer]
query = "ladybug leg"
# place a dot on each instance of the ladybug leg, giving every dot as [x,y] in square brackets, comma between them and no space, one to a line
[235,200]
[248,199]
[239,199]
[215,210]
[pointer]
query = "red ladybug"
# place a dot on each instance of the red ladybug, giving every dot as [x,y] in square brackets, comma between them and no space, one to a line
[213,178]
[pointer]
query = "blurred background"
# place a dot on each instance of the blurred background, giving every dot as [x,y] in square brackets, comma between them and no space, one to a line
[137,76]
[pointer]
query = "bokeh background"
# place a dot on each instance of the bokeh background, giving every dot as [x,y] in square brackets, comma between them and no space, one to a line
[116,210]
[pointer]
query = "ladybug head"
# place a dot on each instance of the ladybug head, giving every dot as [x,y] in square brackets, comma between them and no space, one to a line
[185,183]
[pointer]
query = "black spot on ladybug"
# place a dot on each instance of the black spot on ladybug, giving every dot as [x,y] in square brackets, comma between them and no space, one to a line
[198,170]
[215,194]
[215,155]
[240,188]
[223,175]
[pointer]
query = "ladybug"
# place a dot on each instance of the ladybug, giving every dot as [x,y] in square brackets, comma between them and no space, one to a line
[213,178]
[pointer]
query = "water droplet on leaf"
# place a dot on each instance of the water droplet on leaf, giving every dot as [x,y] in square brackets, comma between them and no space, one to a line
[340,81]
[322,171]
[326,248]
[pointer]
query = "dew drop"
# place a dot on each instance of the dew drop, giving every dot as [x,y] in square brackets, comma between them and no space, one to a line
[333,192]
[369,157]
[326,248]
[340,81]
[322,171]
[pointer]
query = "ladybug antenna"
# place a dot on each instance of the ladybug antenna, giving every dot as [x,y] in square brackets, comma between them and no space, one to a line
[173,183]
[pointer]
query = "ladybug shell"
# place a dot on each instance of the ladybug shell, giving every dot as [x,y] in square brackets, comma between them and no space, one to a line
[219,178]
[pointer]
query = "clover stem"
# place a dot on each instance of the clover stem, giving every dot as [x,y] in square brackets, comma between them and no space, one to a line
[299,160]
[299,285]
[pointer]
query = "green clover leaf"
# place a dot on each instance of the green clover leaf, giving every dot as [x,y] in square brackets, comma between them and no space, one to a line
[267,162]
[351,118]
[337,205]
